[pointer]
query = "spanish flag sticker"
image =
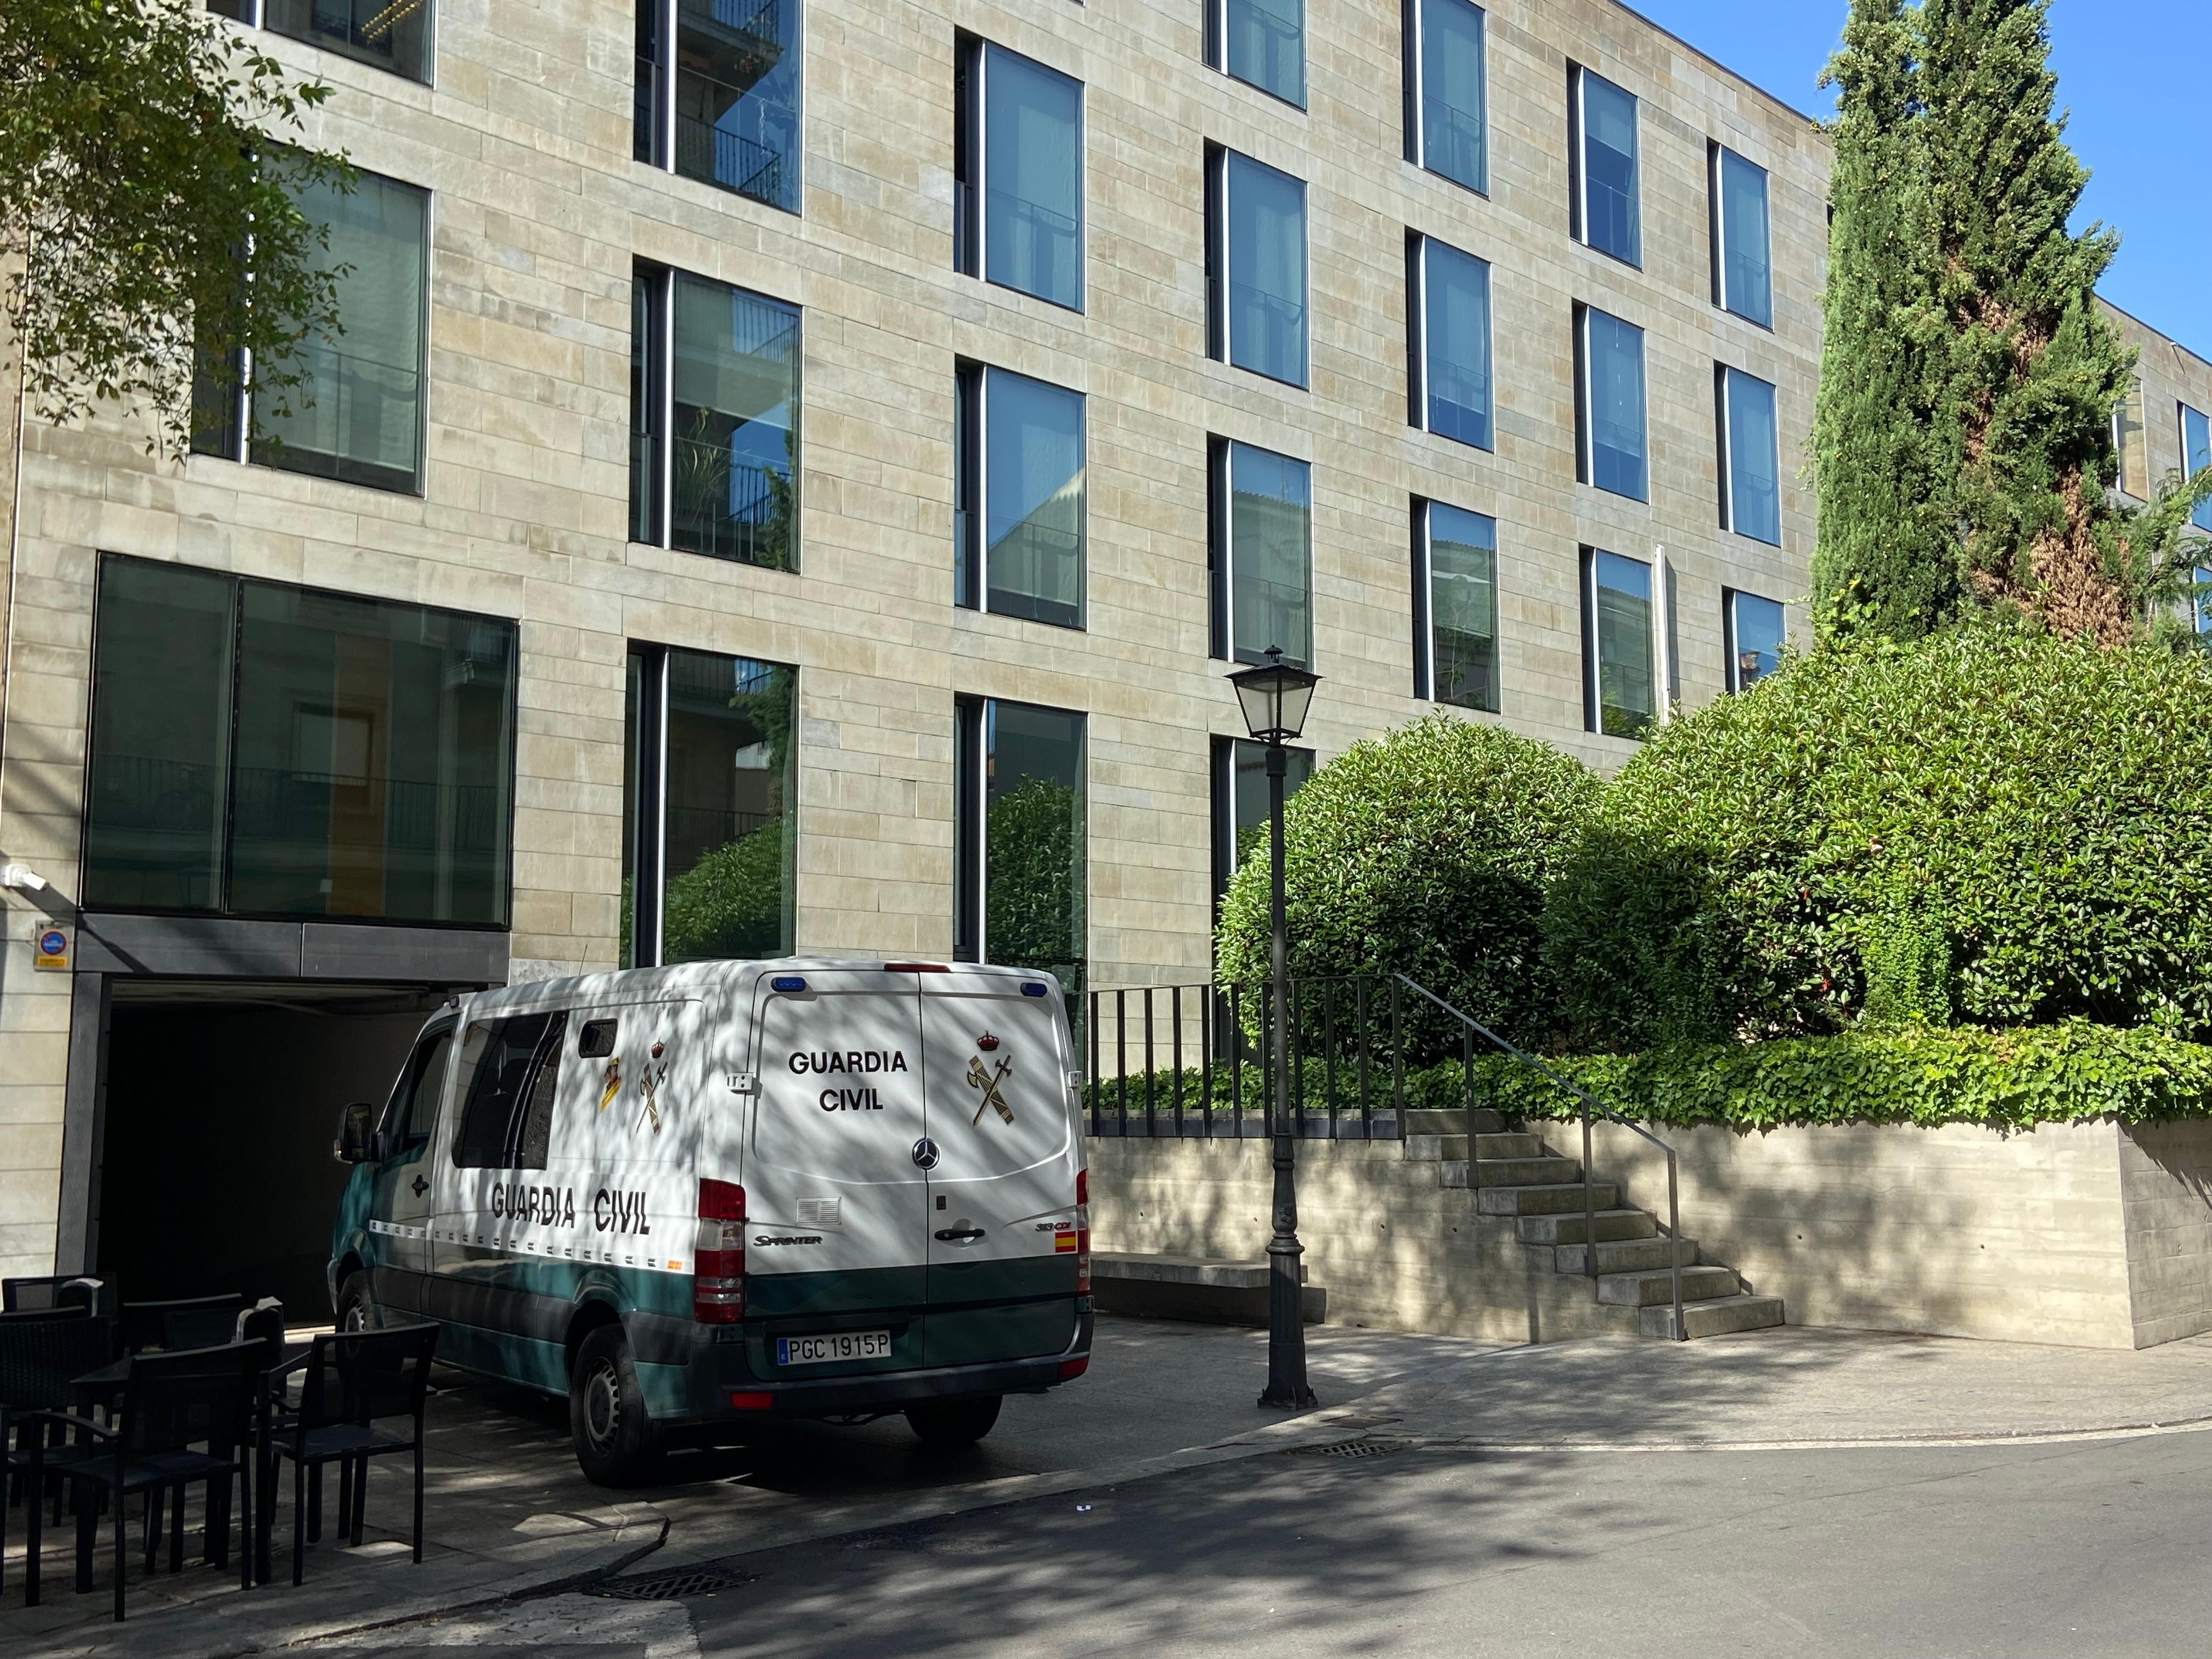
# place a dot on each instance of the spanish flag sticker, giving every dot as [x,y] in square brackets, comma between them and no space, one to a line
[1063,1244]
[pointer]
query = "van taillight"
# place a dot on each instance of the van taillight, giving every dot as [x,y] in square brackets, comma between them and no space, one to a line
[1082,1232]
[718,1273]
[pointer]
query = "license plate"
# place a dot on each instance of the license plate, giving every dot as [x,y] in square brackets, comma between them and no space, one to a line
[830,1349]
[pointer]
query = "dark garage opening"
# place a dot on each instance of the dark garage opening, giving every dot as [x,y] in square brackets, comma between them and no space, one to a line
[223,1101]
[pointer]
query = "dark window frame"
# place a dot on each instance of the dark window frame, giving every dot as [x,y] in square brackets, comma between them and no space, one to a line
[1578,75]
[1221,545]
[1417,249]
[653,103]
[1220,341]
[1424,633]
[254,15]
[971,98]
[1715,168]
[1730,633]
[971,504]
[1413,116]
[1216,54]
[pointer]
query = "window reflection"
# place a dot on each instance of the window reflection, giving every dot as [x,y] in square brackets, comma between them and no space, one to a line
[1610,214]
[1620,632]
[1269,546]
[1462,548]
[1453,140]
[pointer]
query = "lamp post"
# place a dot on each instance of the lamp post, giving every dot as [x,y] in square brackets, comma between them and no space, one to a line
[1275,696]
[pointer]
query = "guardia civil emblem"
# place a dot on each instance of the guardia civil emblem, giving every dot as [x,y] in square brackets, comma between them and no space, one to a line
[987,1078]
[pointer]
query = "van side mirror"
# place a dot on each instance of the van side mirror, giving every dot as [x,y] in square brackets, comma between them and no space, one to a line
[357,1134]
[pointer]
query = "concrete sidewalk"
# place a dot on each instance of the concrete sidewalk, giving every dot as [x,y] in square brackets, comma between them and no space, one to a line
[510,1517]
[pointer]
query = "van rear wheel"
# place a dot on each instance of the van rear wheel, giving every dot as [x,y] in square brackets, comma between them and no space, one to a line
[618,1442]
[961,1423]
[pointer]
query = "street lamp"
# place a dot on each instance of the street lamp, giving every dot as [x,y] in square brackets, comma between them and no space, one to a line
[1275,696]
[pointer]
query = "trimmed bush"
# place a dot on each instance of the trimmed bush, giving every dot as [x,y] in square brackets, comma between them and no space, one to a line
[1427,852]
[1988,826]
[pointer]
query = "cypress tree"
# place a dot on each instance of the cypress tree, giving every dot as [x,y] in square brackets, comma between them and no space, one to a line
[1885,560]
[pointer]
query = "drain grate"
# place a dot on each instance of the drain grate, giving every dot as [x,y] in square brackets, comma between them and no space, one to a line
[672,1586]
[1365,1447]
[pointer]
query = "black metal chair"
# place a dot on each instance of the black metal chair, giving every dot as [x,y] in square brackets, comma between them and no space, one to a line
[172,1403]
[86,1291]
[147,1325]
[352,1380]
[41,1354]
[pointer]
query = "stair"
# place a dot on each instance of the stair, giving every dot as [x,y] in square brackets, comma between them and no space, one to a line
[1515,1175]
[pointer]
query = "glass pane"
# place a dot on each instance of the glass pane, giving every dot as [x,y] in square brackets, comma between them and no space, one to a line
[2134,452]
[375,759]
[2196,455]
[1456,289]
[1270,548]
[1616,404]
[534,1134]
[160,738]
[732,785]
[1754,487]
[502,1078]
[635,682]
[1626,680]
[1033,840]
[1266,271]
[1035,469]
[1747,276]
[393,36]
[1033,179]
[737,96]
[1249,791]
[414,1111]
[1464,607]
[1267,47]
[736,396]
[359,417]
[1609,211]
[1756,624]
[2202,603]
[644,412]
[1452,91]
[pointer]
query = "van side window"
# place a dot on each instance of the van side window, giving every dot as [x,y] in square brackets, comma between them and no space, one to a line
[534,1137]
[598,1040]
[493,1122]
[414,1111]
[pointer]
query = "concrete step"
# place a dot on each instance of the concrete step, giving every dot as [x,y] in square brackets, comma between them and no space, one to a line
[1717,1317]
[1452,1122]
[1646,1289]
[1535,1200]
[1567,1229]
[1624,1256]
[1546,1171]
[1505,1146]
[1430,1149]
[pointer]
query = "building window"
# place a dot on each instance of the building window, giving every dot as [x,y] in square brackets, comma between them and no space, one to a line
[1019,888]
[1454,606]
[2129,446]
[2196,455]
[1261,551]
[714,419]
[1609,403]
[1448,370]
[717,94]
[709,800]
[1743,269]
[264,750]
[1604,156]
[1261,42]
[2200,603]
[1240,802]
[1256,267]
[1754,628]
[1019,451]
[1446,84]
[395,37]
[1018,168]
[357,417]
[1620,644]
[1750,464]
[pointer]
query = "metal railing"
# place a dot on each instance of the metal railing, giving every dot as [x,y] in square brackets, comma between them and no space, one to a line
[1589,1103]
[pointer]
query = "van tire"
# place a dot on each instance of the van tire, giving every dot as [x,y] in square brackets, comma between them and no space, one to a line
[355,1312]
[963,1423]
[618,1442]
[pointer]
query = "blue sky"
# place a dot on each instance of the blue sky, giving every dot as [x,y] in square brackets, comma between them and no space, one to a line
[2134,72]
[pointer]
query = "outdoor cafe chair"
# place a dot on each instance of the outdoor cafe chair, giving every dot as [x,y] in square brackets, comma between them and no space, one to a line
[40,1353]
[184,1419]
[351,1380]
[59,1291]
[174,1324]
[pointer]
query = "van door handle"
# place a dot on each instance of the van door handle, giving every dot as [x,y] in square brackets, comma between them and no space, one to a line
[420,1186]
[954,1235]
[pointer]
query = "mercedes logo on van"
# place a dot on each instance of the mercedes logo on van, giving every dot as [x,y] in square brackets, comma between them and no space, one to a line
[925,1153]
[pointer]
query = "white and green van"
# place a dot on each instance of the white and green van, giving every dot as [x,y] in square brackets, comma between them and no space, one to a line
[700,1196]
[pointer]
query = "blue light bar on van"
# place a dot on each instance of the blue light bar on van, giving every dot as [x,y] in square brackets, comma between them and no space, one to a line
[787,982]
[1031,988]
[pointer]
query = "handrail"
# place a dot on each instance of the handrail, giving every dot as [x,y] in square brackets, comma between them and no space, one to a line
[1680,1332]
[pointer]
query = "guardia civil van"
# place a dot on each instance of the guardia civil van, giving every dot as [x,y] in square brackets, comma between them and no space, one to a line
[697,1196]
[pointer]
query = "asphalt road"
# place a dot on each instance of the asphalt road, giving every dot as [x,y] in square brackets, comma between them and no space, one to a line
[2076,1548]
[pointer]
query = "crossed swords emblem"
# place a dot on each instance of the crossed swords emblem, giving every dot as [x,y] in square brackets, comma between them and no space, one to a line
[988,1082]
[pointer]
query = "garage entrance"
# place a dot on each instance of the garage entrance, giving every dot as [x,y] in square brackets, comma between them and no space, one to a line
[221,1102]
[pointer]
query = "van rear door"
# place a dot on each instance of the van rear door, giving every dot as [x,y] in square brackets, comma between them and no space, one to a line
[1002,1240]
[835,1179]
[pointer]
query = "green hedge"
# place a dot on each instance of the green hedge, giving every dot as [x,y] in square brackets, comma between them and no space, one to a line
[2068,1074]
